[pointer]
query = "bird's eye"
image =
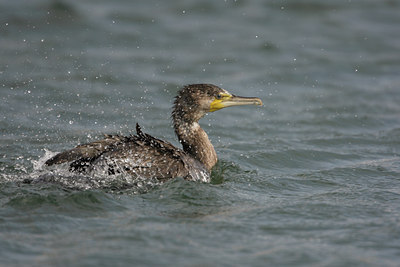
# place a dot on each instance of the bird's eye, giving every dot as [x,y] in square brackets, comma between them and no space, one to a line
[219,96]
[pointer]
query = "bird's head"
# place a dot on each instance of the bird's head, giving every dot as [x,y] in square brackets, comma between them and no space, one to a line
[195,100]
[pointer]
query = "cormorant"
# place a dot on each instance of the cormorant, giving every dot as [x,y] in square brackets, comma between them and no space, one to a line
[145,156]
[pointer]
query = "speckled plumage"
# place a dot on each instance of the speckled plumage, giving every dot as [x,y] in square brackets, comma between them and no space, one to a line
[145,156]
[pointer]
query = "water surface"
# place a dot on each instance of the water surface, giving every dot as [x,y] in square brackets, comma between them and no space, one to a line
[312,178]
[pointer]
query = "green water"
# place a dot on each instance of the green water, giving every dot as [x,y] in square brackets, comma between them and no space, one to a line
[312,178]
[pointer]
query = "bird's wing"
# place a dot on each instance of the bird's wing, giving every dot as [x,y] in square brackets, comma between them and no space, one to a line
[87,152]
[140,155]
[145,156]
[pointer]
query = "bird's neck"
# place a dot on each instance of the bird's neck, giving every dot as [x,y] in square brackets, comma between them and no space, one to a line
[195,142]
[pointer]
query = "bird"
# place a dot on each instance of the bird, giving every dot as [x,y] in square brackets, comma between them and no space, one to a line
[145,156]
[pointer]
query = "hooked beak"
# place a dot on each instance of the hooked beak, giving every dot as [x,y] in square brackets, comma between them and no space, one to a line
[229,100]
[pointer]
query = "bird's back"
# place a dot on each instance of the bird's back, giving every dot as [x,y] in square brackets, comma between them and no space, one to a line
[140,156]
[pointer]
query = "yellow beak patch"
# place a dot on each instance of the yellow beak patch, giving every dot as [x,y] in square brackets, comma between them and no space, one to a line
[218,103]
[227,100]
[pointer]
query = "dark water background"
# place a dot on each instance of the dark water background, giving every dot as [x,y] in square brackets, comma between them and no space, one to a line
[312,178]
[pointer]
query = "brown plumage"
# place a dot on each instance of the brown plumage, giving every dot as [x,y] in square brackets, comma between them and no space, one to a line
[145,156]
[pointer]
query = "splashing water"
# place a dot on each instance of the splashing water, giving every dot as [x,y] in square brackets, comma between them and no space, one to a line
[97,178]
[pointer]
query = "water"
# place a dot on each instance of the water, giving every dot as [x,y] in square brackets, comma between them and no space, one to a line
[312,178]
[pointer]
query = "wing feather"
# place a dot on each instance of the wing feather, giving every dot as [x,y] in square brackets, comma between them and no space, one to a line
[139,155]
